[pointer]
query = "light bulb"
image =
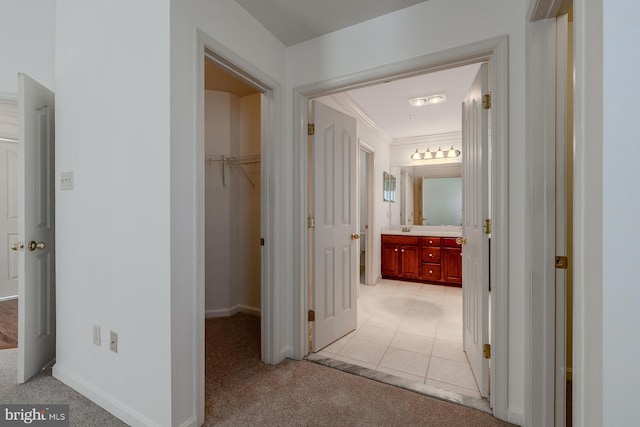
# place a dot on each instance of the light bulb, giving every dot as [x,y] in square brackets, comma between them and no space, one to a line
[439,153]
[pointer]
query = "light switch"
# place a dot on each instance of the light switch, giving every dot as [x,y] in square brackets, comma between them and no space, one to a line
[66,181]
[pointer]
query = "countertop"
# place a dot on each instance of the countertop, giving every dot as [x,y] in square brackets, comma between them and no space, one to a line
[433,231]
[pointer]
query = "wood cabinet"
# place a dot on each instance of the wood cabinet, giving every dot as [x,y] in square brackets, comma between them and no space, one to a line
[426,259]
[400,257]
[451,261]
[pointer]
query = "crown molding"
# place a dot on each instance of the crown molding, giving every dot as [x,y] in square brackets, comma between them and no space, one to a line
[441,138]
[345,101]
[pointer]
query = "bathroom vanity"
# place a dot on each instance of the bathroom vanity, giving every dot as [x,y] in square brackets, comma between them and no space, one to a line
[427,255]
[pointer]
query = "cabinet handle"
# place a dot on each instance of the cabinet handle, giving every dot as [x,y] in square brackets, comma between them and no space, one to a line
[430,255]
[396,250]
[430,241]
[430,271]
[402,250]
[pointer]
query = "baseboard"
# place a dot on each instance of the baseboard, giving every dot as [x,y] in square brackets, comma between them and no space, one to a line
[109,403]
[226,312]
[515,417]
[191,422]
[9,298]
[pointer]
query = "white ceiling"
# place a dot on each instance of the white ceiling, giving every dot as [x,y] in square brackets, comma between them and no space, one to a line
[387,104]
[295,21]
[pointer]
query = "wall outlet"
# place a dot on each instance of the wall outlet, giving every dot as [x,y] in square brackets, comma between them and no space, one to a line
[113,341]
[96,335]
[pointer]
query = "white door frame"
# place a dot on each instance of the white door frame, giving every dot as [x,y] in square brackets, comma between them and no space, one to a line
[236,65]
[369,278]
[495,51]
[545,152]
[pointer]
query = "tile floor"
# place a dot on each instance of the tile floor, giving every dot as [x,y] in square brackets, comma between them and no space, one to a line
[410,330]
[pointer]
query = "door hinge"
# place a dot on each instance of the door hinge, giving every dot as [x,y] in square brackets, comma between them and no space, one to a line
[486,101]
[311,316]
[311,129]
[487,226]
[486,349]
[562,262]
[311,222]
[262,241]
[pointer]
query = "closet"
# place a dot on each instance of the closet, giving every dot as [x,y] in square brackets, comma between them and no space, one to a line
[232,197]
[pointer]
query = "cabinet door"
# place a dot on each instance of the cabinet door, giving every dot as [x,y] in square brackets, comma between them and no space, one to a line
[410,262]
[452,265]
[390,260]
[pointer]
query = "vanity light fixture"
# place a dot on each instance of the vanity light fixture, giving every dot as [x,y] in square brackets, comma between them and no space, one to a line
[451,153]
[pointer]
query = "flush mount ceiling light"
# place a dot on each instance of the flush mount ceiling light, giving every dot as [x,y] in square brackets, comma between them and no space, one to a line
[431,99]
[451,153]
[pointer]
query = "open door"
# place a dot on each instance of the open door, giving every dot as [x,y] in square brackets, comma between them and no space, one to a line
[335,234]
[475,210]
[36,227]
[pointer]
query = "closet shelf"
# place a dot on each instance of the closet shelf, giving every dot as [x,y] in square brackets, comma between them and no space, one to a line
[233,161]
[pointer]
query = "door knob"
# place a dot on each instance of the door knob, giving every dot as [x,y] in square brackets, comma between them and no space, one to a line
[461,240]
[33,245]
[18,246]
[355,236]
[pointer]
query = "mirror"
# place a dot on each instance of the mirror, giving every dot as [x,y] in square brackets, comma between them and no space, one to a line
[442,201]
[389,187]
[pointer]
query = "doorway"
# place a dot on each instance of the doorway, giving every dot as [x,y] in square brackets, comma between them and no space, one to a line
[409,329]
[8,223]
[232,194]
[494,52]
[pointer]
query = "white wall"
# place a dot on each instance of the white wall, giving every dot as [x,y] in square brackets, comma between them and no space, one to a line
[113,243]
[221,115]
[27,37]
[246,206]
[426,28]
[620,208]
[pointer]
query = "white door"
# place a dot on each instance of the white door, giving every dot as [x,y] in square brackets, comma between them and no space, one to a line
[8,218]
[36,283]
[475,208]
[334,239]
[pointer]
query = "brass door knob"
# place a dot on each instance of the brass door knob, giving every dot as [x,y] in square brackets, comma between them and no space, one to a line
[355,236]
[461,240]
[17,246]
[33,245]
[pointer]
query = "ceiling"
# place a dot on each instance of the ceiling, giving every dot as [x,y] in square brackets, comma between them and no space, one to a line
[387,104]
[295,21]
[215,78]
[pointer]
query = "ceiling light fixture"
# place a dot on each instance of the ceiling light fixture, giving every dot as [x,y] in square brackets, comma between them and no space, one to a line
[451,153]
[425,100]
[418,102]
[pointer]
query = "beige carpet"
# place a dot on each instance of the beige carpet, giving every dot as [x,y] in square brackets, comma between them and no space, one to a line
[242,391]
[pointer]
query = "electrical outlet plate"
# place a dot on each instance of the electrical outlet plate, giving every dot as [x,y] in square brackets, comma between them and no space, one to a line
[113,341]
[96,335]
[66,181]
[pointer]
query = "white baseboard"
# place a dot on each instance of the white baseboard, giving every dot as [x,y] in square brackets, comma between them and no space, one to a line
[99,397]
[226,312]
[191,422]
[10,297]
[515,417]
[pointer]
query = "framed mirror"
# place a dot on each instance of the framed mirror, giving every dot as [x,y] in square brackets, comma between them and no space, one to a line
[389,187]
